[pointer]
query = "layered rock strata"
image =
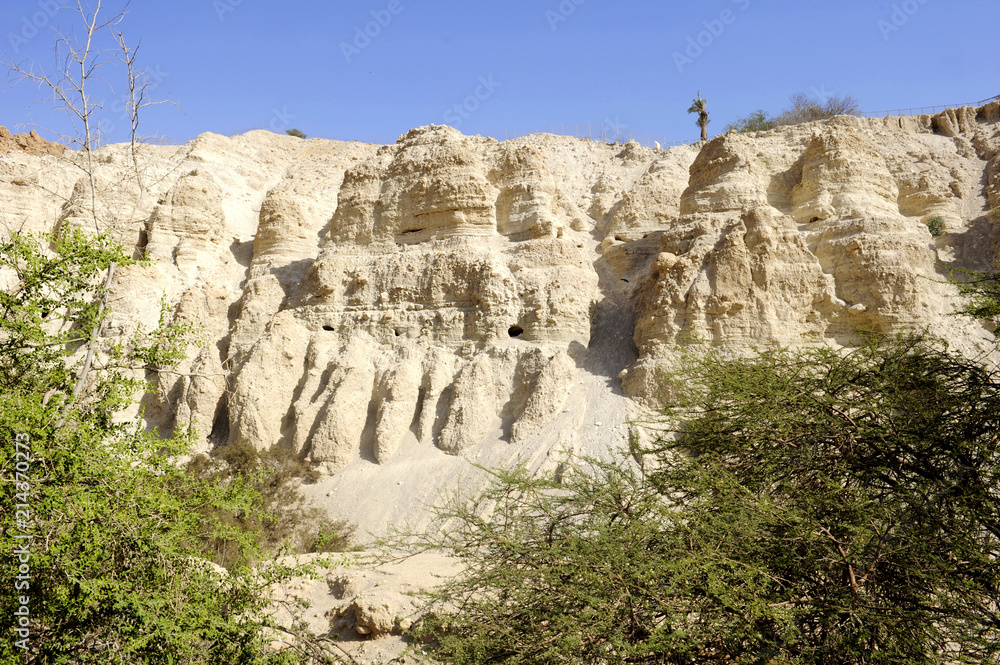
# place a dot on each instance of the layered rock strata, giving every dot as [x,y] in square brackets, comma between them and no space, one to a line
[386,311]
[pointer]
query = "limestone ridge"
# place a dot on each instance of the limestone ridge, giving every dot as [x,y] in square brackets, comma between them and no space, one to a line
[450,295]
[448,290]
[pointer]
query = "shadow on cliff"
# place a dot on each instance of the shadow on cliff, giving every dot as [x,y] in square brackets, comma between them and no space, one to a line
[612,326]
[973,251]
[291,277]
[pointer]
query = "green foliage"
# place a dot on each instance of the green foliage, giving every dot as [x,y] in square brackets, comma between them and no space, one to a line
[981,289]
[936,225]
[803,109]
[804,507]
[982,293]
[874,479]
[758,121]
[50,310]
[282,515]
[557,572]
[117,526]
[296,132]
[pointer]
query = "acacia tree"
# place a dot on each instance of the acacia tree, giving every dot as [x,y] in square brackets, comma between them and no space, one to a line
[699,106]
[805,507]
[108,530]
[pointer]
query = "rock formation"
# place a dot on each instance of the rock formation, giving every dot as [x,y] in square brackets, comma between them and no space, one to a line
[31,143]
[387,312]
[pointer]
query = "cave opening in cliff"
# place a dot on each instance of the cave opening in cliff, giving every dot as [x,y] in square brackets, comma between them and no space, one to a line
[515,331]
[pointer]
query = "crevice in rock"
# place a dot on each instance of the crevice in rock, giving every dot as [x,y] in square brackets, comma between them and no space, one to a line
[219,435]
[368,434]
[417,412]
[441,411]
[140,245]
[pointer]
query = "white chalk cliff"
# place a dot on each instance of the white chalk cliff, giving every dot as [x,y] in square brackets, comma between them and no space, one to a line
[392,312]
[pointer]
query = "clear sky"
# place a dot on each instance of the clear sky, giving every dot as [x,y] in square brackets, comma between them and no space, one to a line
[372,69]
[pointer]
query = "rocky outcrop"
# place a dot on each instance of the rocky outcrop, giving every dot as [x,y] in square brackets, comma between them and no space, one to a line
[31,143]
[387,312]
[444,265]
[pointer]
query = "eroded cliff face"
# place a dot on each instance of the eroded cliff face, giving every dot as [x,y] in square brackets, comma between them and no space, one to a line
[816,232]
[387,311]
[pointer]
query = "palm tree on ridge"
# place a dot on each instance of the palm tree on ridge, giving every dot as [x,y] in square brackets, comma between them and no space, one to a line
[698,106]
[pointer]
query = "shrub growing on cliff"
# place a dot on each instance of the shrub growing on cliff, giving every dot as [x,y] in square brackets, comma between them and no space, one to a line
[282,515]
[936,225]
[806,109]
[758,121]
[803,109]
[980,289]
[807,507]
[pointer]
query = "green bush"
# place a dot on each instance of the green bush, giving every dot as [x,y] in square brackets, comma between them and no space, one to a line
[281,516]
[296,132]
[804,507]
[803,109]
[936,225]
[758,121]
[115,565]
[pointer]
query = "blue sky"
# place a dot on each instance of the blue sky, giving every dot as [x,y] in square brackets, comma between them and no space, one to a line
[372,69]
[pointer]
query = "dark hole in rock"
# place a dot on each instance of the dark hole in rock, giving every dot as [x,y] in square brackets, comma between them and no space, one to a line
[515,331]
[398,333]
[412,231]
[328,328]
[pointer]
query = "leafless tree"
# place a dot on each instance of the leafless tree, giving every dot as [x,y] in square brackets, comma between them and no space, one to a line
[79,74]
[807,109]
